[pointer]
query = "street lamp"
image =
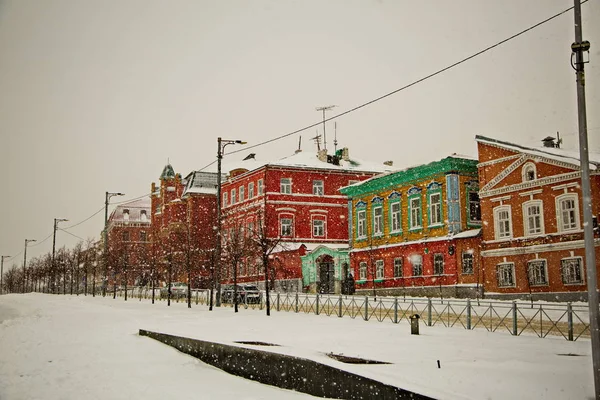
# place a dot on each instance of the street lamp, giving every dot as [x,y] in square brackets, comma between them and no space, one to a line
[25,263]
[106,200]
[222,143]
[2,273]
[56,222]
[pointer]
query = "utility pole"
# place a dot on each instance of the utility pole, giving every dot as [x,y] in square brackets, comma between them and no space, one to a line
[325,108]
[577,49]
[53,266]
[2,273]
[25,264]
[105,255]
[222,143]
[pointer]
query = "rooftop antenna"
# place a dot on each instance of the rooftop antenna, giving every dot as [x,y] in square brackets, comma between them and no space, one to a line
[324,108]
[335,137]
[558,140]
[299,144]
[317,140]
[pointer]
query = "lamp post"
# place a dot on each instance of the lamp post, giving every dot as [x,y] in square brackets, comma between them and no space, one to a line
[2,273]
[56,222]
[25,264]
[106,200]
[222,143]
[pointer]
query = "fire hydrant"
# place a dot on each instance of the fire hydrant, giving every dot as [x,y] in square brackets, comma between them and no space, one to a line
[414,324]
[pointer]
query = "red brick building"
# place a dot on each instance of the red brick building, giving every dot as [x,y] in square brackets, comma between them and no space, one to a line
[183,226]
[297,201]
[531,205]
[128,231]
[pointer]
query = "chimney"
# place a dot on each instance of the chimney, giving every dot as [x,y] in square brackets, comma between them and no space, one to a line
[345,154]
[549,142]
[322,155]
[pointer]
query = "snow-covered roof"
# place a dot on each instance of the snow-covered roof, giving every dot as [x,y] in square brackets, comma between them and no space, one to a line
[132,211]
[552,153]
[292,246]
[200,182]
[302,159]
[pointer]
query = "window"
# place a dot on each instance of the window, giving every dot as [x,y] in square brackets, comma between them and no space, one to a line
[474,208]
[225,199]
[533,222]
[467,263]
[398,267]
[528,172]
[318,189]
[438,264]
[572,270]
[318,227]
[379,269]
[251,190]
[567,209]
[286,226]
[362,271]
[143,236]
[415,213]
[502,222]
[126,236]
[126,214]
[435,209]
[232,196]
[242,193]
[395,217]
[538,275]
[285,185]
[506,274]
[143,216]
[361,219]
[417,264]
[260,187]
[377,221]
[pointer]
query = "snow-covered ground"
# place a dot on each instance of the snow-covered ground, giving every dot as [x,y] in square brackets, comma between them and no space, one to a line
[68,347]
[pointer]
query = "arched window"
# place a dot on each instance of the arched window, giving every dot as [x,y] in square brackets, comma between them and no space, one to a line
[529,172]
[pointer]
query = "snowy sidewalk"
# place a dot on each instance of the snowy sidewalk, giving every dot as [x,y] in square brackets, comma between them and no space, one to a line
[63,347]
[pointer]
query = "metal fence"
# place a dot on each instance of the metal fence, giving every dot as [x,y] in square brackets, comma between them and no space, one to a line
[568,320]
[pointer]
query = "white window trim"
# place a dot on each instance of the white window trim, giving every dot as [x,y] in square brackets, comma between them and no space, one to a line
[379,269]
[514,278]
[362,271]
[381,228]
[528,166]
[559,221]
[251,193]
[497,210]
[225,195]
[545,272]
[399,260]
[581,266]
[291,218]
[324,235]
[413,227]
[261,188]
[286,185]
[438,193]
[321,187]
[526,227]
[233,196]
[399,229]
[242,193]
[364,224]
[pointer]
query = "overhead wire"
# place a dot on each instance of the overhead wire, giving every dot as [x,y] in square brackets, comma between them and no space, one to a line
[485,50]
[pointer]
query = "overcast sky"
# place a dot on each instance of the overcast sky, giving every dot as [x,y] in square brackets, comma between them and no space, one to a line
[97,95]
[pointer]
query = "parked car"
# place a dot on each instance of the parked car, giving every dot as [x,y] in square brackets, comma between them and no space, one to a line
[178,289]
[246,294]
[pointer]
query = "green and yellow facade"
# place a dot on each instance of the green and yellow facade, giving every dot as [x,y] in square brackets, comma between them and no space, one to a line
[417,230]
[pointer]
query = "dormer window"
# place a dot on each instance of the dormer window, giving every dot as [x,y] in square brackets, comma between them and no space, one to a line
[529,172]
[143,216]
[126,214]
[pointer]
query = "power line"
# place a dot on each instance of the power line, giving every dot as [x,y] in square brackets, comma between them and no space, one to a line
[87,219]
[69,233]
[130,200]
[406,86]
